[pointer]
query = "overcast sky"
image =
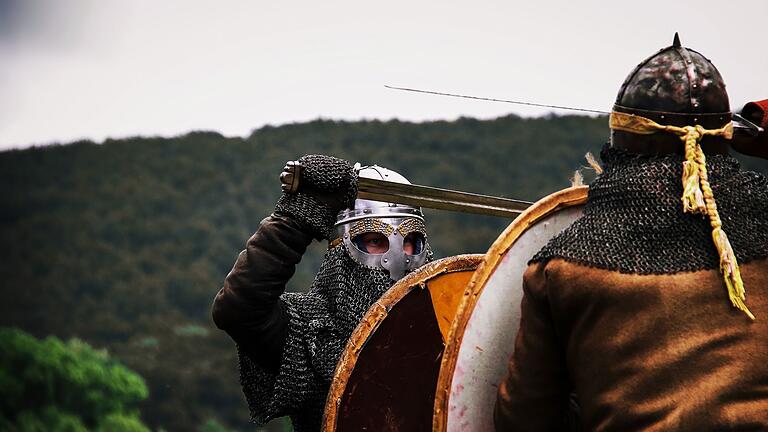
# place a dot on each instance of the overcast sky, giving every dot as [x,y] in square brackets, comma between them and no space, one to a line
[115,68]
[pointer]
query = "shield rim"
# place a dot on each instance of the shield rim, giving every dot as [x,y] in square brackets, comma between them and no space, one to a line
[569,197]
[374,317]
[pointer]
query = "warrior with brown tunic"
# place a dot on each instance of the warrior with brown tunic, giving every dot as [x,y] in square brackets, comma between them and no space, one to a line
[653,307]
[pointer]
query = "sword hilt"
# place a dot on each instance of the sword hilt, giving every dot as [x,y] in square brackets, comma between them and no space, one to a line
[290,177]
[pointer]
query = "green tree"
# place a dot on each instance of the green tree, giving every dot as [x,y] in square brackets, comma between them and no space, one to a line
[51,385]
[47,419]
[119,422]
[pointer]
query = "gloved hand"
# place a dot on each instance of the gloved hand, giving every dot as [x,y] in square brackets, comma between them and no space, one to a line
[315,189]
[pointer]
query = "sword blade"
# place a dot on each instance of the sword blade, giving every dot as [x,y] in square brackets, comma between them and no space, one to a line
[437,198]
[509,101]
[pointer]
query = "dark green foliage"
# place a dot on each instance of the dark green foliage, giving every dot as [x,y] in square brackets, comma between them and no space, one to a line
[213,426]
[121,423]
[124,244]
[50,385]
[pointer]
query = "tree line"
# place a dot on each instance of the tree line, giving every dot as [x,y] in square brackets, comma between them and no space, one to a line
[123,244]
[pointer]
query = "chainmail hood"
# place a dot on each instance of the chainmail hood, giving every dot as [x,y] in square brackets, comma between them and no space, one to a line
[633,220]
[321,322]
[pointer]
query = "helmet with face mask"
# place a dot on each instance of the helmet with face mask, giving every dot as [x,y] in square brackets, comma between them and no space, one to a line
[397,230]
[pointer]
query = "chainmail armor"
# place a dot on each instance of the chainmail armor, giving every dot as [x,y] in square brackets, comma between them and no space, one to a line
[633,220]
[321,322]
[326,176]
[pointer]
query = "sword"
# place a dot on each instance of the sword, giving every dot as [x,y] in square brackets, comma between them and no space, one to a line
[418,195]
[739,122]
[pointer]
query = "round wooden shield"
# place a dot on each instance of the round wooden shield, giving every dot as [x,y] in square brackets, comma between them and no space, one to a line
[482,336]
[386,377]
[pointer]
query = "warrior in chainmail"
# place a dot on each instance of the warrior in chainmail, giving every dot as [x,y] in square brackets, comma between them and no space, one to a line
[653,307]
[289,343]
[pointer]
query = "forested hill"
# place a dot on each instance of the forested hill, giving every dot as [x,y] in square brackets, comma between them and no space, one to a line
[125,243]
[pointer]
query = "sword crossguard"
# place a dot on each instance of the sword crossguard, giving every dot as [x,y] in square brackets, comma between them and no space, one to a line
[290,177]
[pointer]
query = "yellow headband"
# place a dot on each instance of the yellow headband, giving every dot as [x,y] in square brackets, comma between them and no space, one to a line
[644,126]
[697,193]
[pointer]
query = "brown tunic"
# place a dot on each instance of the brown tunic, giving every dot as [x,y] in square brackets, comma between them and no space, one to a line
[642,352]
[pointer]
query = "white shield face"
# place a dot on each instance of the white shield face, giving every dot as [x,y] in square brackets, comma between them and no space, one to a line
[483,334]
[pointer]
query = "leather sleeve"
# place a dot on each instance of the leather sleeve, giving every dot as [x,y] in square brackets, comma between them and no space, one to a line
[248,307]
[534,396]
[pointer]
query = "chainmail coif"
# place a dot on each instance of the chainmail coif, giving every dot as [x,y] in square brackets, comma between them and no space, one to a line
[321,322]
[633,220]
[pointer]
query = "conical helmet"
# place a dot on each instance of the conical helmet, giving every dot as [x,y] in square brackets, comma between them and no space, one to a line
[676,86]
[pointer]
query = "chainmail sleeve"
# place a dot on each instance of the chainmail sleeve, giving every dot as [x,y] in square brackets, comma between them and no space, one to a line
[320,324]
[295,389]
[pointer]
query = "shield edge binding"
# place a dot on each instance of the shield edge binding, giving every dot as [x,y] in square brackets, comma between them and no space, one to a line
[374,317]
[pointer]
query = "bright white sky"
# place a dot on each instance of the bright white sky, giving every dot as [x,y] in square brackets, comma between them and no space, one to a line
[115,68]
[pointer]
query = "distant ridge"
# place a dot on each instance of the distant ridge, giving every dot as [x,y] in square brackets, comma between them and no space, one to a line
[124,244]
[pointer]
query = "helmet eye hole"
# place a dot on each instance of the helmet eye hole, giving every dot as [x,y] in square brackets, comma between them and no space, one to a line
[413,243]
[371,243]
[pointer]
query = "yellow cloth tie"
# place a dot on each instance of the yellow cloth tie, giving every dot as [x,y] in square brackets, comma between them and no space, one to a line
[697,193]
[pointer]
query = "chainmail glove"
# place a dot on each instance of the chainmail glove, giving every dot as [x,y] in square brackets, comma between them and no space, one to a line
[327,186]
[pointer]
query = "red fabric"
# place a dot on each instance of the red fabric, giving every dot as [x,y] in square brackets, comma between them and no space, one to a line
[757,112]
